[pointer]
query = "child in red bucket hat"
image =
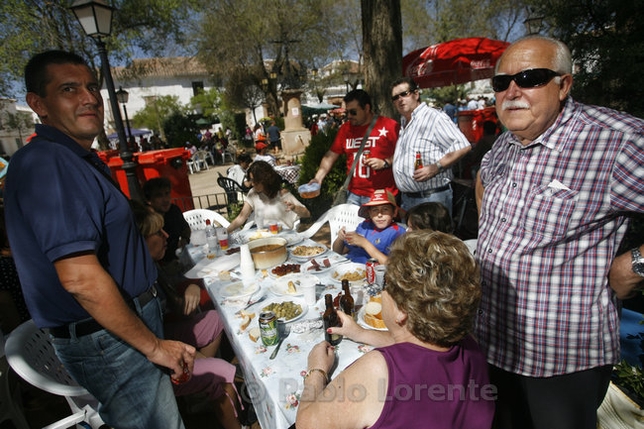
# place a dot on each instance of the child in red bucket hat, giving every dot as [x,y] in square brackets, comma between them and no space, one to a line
[373,237]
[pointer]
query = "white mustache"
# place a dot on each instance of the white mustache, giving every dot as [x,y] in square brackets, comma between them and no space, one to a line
[514,104]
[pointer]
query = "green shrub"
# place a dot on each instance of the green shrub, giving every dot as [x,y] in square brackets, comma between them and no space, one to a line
[309,164]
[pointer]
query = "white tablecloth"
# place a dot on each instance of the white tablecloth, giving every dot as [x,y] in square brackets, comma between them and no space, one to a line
[274,386]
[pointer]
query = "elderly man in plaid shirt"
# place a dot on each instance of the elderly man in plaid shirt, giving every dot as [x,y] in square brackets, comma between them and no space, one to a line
[553,194]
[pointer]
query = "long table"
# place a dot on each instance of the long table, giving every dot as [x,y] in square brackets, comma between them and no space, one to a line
[274,385]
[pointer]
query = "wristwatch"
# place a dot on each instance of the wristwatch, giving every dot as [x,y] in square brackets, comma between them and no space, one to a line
[439,166]
[385,165]
[637,262]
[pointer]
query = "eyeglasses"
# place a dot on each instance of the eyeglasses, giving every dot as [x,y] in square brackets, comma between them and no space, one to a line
[531,78]
[403,94]
[352,112]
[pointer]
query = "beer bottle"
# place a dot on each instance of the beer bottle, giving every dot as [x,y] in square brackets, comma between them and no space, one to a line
[419,161]
[331,320]
[347,304]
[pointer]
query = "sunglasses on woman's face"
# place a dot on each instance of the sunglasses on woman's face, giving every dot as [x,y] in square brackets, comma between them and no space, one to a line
[531,78]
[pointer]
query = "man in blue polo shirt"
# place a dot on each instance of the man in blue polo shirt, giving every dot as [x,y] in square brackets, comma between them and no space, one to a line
[84,267]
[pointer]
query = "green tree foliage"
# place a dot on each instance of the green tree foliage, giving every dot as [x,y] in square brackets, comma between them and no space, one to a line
[606,38]
[180,129]
[31,26]
[320,144]
[157,111]
[210,102]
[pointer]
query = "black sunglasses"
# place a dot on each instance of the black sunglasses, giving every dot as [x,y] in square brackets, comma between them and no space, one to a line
[352,112]
[402,94]
[531,78]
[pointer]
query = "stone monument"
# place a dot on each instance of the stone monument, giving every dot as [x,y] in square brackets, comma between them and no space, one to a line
[295,138]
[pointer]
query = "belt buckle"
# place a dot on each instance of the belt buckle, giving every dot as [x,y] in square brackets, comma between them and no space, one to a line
[153,291]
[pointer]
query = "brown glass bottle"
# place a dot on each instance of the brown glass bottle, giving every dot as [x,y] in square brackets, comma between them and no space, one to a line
[331,320]
[419,161]
[347,304]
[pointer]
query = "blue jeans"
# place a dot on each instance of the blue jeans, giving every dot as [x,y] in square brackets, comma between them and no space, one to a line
[132,391]
[444,197]
[358,200]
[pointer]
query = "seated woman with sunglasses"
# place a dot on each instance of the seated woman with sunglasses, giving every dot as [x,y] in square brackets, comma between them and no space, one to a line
[268,200]
[202,330]
[432,371]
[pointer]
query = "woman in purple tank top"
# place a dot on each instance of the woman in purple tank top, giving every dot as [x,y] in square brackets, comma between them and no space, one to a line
[427,371]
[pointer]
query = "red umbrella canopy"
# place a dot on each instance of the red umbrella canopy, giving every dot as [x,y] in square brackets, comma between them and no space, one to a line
[453,62]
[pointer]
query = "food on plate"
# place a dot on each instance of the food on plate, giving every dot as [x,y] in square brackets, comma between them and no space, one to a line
[254,334]
[373,313]
[232,250]
[352,276]
[317,266]
[284,310]
[285,269]
[246,319]
[291,287]
[224,275]
[307,250]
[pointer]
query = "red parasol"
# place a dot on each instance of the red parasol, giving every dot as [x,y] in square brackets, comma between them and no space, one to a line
[453,62]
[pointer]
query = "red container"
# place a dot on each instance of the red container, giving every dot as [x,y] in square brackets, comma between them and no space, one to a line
[170,163]
[470,122]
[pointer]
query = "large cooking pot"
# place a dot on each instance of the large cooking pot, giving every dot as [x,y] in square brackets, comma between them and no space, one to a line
[268,252]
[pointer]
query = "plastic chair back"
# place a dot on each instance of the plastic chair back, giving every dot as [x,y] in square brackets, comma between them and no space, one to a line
[32,357]
[338,216]
[197,218]
[230,187]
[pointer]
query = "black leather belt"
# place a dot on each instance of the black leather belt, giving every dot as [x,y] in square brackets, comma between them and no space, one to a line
[89,326]
[427,193]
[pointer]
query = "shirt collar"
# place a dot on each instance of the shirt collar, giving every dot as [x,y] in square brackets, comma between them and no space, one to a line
[54,135]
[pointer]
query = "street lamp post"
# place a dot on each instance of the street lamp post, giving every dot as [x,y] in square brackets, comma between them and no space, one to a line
[345,76]
[533,22]
[122,97]
[95,16]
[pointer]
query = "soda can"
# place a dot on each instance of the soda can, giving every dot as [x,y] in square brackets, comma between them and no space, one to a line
[268,328]
[371,270]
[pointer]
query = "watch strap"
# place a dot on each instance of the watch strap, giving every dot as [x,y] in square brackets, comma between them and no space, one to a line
[637,261]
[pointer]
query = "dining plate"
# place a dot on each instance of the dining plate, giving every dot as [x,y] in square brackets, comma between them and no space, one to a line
[289,266]
[280,303]
[212,267]
[238,290]
[322,264]
[254,234]
[292,238]
[364,324]
[307,252]
[354,272]
[281,285]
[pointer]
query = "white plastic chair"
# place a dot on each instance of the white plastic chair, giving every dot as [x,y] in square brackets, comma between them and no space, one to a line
[197,218]
[193,163]
[32,357]
[341,215]
[200,159]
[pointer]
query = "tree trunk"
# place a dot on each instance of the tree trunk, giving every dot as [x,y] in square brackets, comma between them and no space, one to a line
[382,40]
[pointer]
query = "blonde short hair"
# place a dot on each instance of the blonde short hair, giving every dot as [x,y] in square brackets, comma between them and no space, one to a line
[434,279]
[147,220]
